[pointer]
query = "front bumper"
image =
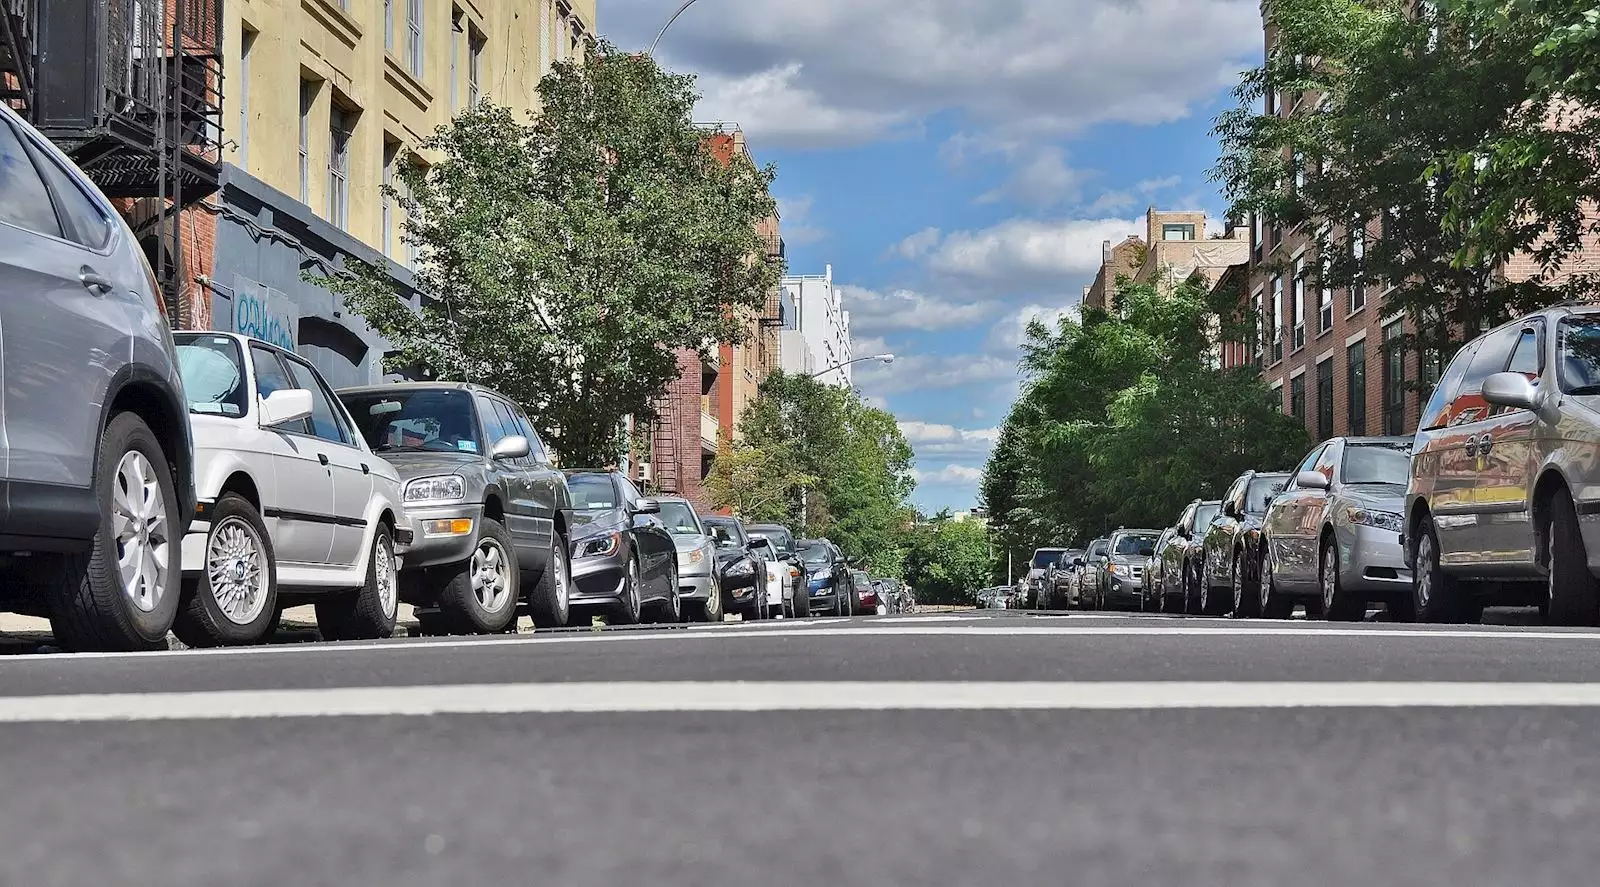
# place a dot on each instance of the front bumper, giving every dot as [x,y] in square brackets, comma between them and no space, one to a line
[598,579]
[432,549]
[1124,593]
[695,588]
[1372,559]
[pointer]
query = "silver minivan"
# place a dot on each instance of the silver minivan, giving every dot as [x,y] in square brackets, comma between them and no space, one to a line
[1505,460]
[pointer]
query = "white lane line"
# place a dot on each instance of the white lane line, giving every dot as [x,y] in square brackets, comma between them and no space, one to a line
[1175,628]
[769,697]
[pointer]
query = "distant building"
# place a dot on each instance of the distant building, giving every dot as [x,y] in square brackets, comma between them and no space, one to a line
[818,336]
[1175,246]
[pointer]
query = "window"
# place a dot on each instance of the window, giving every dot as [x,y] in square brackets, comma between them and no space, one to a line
[1355,387]
[1257,338]
[247,42]
[391,152]
[325,420]
[1257,232]
[1299,173]
[1297,397]
[308,97]
[1309,462]
[457,28]
[544,36]
[1271,99]
[270,377]
[1298,306]
[1394,378]
[561,33]
[388,25]
[414,36]
[475,68]
[1275,319]
[1325,399]
[82,219]
[340,126]
[1358,256]
[1525,357]
[213,375]
[1177,232]
[1493,355]
[1437,412]
[24,200]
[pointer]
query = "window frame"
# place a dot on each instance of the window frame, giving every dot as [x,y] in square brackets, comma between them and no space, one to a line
[416,60]
[1356,389]
[1325,395]
[339,138]
[345,423]
[308,100]
[1297,385]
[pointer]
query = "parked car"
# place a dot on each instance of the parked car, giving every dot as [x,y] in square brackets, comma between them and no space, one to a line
[827,575]
[291,501]
[1150,582]
[743,573]
[1120,579]
[1063,581]
[1088,569]
[1502,467]
[96,455]
[492,514]
[795,597]
[623,557]
[778,578]
[1333,536]
[699,582]
[867,600]
[1185,555]
[1036,584]
[1227,577]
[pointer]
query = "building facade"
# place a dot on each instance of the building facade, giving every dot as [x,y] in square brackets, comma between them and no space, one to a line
[818,338]
[1175,246]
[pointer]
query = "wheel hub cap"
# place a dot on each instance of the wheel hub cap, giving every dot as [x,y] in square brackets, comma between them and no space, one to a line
[491,576]
[236,569]
[139,527]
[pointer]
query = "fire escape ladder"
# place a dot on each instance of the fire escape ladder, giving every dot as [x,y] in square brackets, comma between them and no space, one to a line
[17,57]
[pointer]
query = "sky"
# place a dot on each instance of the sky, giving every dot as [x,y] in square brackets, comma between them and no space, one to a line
[959,164]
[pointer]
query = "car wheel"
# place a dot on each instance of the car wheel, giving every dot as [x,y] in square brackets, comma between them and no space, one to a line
[550,598]
[1570,589]
[1246,602]
[123,593]
[628,610]
[481,597]
[1435,595]
[1338,605]
[710,609]
[235,600]
[1191,587]
[802,599]
[370,611]
[1274,604]
[670,610]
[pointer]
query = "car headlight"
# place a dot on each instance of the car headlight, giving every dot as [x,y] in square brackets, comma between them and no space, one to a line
[1122,571]
[440,488]
[601,545]
[690,558]
[743,567]
[1383,520]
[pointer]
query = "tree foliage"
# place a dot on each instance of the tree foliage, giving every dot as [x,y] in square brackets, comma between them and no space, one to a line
[565,259]
[755,483]
[859,460]
[1124,419]
[947,561]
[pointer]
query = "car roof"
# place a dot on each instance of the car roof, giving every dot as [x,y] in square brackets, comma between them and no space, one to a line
[421,386]
[241,338]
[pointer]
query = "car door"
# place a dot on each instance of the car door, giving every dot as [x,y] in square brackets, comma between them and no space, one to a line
[349,465]
[1506,463]
[654,539]
[547,487]
[301,503]
[1290,526]
[66,325]
[1459,495]
[1172,555]
[513,474]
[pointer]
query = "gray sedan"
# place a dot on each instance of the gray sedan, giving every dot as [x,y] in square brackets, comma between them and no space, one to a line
[623,558]
[1333,536]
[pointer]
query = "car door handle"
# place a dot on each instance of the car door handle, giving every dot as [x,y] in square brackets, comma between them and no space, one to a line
[1484,442]
[1472,446]
[323,458]
[94,280]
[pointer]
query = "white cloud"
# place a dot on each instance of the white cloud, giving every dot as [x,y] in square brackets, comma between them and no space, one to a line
[872,311]
[1043,179]
[916,244]
[934,440]
[1008,335]
[1116,201]
[963,475]
[829,72]
[795,213]
[1029,251]
[932,372]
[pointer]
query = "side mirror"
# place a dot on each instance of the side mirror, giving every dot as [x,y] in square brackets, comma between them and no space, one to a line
[1077,562]
[285,405]
[1311,480]
[1511,390]
[512,447]
[646,506]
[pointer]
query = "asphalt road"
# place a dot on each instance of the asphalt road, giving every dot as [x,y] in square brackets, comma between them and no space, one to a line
[993,748]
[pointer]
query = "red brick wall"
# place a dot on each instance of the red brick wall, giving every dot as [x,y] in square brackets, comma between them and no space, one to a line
[198,234]
[675,446]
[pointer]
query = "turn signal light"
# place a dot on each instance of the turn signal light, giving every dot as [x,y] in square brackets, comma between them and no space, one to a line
[460,526]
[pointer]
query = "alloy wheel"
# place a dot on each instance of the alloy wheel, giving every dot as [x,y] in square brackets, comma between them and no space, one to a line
[386,572]
[1330,570]
[1423,582]
[139,523]
[491,575]
[236,570]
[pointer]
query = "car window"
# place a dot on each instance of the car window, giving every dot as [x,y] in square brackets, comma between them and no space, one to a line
[1438,410]
[1235,491]
[1578,354]
[1494,353]
[24,200]
[536,448]
[494,422]
[1204,515]
[1098,547]
[1325,462]
[592,492]
[1186,520]
[326,422]
[680,518]
[1136,545]
[432,419]
[1377,464]
[724,533]
[1527,357]
[815,554]
[88,223]
[1262,490]
[271,376]
[1044,556]
[1310,461]
[212,368]
[629,491]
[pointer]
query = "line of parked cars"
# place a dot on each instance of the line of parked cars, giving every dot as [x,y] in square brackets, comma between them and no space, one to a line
[202,482]
[1493,501]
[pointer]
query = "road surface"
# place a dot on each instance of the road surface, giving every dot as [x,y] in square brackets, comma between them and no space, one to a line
[980,748]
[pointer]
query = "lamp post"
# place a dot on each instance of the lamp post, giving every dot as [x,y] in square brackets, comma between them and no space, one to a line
[886,358]
[683,6]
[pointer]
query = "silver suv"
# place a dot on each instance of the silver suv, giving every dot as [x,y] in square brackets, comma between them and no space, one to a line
[1503,464]
[96,461]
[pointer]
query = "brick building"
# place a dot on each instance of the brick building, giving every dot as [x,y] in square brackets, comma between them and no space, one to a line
[1175,246]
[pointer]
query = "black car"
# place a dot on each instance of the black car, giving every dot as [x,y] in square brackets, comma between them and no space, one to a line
[827,574]
[782,542]
[743,572]
[623,557]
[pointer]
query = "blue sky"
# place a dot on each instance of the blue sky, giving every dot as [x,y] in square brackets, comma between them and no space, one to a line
[959,163]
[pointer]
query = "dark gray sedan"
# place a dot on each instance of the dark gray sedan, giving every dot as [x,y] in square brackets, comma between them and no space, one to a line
[623,557]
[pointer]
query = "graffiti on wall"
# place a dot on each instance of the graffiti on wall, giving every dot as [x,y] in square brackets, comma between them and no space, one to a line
[264,313]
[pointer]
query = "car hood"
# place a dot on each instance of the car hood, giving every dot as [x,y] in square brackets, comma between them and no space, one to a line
[417,463]
[594,523]
[1377,497]
[690,543]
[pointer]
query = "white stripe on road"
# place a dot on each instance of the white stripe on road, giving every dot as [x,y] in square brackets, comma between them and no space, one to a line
[478,699]
[1153,629]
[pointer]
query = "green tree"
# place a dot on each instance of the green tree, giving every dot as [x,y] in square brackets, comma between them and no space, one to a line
[947,561]
[566,259]
[756,484]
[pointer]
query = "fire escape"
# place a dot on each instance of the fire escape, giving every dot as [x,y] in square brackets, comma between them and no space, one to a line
[131,90]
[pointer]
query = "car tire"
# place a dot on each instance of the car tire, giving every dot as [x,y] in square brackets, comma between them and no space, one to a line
[628,610]
[88,598]
[1338,605]
[1570,589]
[371,611]
[237,542]
[1435,595]
[493,561]
[710,609]
[1246,599]
[669,611]
[1191,587]
[550,598]
[1274,603]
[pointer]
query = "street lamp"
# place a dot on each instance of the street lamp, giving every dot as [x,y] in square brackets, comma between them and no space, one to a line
[685,5]
[886,358]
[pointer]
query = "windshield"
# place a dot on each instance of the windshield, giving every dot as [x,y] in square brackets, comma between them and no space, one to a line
[1204,515]
[779,536]
[1140,545]
[592,492]
[680,519]
[1377,464]
[815,555]
[1579,355]
[1098,547]
[213,377]
[440,420]
[1261,491]
[724,532]
[1044,557]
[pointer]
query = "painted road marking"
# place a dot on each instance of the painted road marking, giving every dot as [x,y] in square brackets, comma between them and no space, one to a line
[478,699]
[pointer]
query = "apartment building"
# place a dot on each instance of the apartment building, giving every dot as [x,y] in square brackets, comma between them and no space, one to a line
[326,100]
[1175,246]
[818,335]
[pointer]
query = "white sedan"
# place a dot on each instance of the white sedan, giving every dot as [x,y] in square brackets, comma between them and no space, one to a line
[291,502]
